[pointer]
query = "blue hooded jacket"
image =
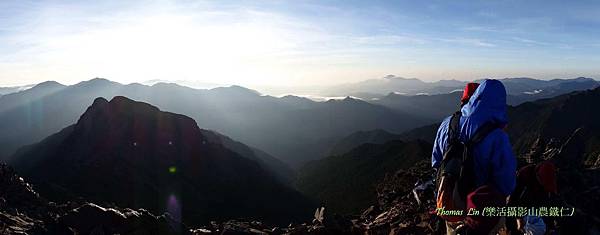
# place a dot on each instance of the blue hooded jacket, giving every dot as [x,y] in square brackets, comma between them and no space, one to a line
[494,161]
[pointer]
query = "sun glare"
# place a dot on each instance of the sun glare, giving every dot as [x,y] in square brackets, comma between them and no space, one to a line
[166,47]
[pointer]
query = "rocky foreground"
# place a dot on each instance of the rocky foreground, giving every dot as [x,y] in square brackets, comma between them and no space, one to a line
[23,211]
[400,210]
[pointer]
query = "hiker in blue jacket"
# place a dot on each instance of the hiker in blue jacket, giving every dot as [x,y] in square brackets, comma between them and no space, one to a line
[493,160]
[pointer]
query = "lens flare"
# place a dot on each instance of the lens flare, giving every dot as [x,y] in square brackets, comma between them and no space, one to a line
[174,207]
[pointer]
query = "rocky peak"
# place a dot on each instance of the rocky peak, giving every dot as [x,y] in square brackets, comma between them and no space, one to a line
[122,117]
[163,160]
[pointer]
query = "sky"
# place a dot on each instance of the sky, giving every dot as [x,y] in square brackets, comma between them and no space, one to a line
[296,43]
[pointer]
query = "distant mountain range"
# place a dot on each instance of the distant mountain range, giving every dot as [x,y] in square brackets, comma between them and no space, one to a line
[132,154]
[191,84]
[433,101]
[9,90]
[293,129]
[533,128]
[412,86]
[394,84]
[431,107]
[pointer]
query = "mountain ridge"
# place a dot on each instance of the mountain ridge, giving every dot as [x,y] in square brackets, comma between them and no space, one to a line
[277,126]
[391,84]
[122,145]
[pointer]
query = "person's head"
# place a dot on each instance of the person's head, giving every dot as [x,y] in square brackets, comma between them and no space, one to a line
[468,92]
[487,104]
[546,175]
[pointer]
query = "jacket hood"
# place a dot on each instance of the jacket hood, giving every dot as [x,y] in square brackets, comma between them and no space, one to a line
[487,104]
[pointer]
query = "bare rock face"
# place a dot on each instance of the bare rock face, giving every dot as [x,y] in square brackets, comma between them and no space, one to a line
[24,211]
[12,223]
[21,208]
[91,218]
[404,208]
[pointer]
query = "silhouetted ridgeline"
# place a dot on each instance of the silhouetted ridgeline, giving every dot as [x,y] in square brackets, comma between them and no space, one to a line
[292,130]
[132,154]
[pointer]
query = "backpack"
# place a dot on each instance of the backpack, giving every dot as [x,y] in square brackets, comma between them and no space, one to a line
[456,175]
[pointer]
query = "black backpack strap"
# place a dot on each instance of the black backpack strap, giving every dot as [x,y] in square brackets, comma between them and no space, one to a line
[454,127]
[482,132]
[466,182]
[467,172]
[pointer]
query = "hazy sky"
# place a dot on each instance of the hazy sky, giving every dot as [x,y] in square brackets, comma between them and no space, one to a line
[295,43]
